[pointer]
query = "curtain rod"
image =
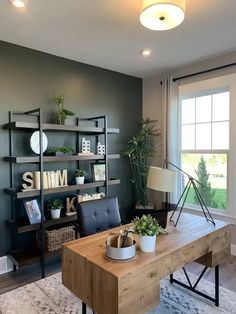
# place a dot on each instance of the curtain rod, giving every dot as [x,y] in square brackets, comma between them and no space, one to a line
[175,79]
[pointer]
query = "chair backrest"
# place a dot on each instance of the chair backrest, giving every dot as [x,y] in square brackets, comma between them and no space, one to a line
[98,215]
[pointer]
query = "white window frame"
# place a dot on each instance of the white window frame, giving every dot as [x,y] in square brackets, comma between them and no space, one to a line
[206,87]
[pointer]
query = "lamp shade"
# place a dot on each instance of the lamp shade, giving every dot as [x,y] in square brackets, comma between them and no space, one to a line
[162,14]
[160,179]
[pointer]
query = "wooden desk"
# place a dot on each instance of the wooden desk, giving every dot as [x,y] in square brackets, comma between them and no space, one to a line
[134,287]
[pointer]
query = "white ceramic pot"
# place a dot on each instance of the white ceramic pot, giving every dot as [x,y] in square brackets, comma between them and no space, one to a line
[147,243]
[79,180]
[55,213]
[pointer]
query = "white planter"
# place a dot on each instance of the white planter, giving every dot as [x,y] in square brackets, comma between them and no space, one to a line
[79,180]
[55,213]
[147,243]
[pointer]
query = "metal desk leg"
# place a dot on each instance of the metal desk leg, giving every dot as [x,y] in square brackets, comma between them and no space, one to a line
[192,287]
[217,285]
[83,308]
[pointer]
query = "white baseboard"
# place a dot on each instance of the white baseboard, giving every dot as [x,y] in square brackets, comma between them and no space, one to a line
[5,265]
[233,249]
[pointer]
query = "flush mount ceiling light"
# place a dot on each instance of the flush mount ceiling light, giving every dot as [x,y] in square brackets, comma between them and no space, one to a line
[19,3]
[161,15]
[146,52]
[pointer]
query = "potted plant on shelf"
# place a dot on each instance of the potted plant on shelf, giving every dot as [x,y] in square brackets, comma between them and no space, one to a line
[147,227]
[56,207]
[140,150]
[60,150]
[79,176]
[62,113]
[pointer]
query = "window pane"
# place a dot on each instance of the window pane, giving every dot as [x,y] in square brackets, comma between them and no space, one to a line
[211,171]
[188,137]
[220,107]
[188,111]
[220,135]
[203,109]
[203,136]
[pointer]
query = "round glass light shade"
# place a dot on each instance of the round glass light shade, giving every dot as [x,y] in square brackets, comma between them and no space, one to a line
[162,16]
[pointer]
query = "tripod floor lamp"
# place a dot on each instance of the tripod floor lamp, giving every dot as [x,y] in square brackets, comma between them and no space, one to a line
[191,183]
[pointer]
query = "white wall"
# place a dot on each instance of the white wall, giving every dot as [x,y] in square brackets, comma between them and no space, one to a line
[152,99]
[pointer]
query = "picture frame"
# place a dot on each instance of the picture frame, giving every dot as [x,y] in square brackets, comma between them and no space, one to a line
[99,172]
[32,210]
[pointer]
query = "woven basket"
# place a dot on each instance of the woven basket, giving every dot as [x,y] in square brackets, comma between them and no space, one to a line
[55,238]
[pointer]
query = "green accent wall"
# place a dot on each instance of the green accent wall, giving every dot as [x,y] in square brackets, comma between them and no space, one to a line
[28,80]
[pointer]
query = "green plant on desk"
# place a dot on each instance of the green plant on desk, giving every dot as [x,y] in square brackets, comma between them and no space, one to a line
[147,226]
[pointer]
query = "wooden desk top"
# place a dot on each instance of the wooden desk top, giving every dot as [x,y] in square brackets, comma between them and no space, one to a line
[133,287]
[189,229]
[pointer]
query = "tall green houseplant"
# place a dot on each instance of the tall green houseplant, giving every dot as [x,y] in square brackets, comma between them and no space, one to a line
[140,150]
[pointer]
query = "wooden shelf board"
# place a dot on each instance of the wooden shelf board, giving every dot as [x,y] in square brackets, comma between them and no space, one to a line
[24,226]
[17,125]
[114,181]
[60,189]
[24,258]
[35,159]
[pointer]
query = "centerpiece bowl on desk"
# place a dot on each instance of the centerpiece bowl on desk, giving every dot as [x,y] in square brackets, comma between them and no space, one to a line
[120,246]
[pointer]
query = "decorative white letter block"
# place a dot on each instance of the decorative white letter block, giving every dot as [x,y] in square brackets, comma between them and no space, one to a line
[28,178]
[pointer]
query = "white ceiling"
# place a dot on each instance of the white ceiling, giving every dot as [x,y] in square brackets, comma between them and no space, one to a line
[108,34]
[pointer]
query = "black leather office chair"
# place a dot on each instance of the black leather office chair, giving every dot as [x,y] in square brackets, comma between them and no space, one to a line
[98,215]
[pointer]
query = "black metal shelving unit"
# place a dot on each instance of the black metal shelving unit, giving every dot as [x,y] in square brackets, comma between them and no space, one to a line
[24,258]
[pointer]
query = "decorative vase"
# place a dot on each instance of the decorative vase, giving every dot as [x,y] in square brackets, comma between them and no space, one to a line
[79,180]
[55,213]
[147,243]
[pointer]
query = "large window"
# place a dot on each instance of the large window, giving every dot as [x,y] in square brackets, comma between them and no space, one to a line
[205,146]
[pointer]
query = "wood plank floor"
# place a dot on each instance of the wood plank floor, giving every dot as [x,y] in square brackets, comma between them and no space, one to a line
[27,275]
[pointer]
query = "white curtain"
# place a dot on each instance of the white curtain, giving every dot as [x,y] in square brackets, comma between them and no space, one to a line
[171,128]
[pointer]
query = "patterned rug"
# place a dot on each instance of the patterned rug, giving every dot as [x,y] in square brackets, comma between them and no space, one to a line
[49,296]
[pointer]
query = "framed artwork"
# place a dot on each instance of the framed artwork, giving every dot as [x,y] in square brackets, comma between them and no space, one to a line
[99,172]
[33,211]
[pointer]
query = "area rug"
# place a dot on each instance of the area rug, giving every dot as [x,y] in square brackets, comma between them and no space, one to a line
[49,296]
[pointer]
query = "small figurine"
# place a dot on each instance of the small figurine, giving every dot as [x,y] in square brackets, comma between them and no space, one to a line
[85,146]
[100,149]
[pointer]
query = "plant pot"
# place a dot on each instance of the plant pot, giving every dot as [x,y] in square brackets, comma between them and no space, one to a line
[55,213]
[58,154]
[147,243]
[79,180]
[69,121]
